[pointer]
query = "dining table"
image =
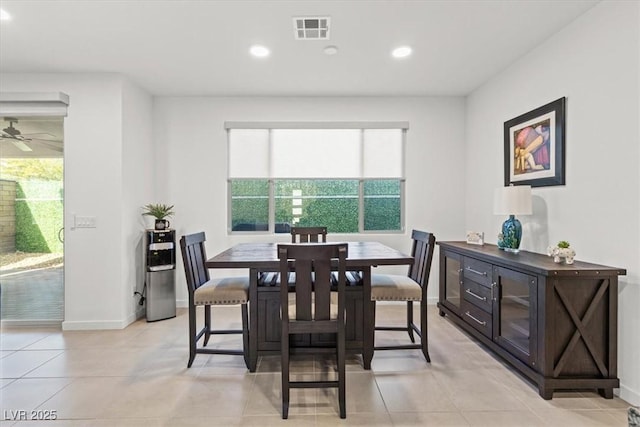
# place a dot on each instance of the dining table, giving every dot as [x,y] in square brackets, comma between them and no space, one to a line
[264,301]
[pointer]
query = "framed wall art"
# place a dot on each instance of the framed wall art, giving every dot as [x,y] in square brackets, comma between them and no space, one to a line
[534,152]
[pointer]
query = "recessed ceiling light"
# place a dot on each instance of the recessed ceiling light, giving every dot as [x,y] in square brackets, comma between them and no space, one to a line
[259,51]
[401,52]
[4,15]
[330,50]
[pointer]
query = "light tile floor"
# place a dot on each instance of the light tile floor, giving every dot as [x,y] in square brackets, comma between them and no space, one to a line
[138,377]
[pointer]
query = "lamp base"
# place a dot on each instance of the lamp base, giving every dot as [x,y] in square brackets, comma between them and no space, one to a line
[509,239]
[512,250]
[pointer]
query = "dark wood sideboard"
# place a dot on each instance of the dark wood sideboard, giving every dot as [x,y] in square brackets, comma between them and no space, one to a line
[555,323]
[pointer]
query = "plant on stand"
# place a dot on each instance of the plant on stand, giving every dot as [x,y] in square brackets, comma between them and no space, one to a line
[160,212]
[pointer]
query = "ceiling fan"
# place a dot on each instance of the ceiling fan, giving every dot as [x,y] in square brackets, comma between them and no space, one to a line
[17,138]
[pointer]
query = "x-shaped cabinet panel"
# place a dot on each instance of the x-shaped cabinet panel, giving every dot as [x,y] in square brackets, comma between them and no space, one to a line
[582,331]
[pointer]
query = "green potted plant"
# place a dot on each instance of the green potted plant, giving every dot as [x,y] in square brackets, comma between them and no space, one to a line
[562,250]
[160,212]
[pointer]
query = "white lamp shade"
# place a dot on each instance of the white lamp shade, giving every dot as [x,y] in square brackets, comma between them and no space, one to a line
[512,200]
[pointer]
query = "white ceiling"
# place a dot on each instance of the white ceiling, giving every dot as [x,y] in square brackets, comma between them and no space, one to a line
[201,47]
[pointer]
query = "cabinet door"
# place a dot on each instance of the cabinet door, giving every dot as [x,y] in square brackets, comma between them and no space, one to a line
[515,313]
[451,281]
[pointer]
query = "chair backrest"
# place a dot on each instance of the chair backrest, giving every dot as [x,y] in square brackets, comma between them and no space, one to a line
[194,256]
[313,265]
[422,253]
[308,234]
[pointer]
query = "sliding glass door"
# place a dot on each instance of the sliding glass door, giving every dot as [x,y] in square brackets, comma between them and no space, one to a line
[31,220]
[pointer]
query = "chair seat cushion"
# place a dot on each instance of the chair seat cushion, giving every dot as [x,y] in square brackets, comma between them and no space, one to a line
[391,287]
[223,291]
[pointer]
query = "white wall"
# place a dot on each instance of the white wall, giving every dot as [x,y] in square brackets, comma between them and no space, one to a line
[97,279]
[594,64]
[190,135]
[137,190]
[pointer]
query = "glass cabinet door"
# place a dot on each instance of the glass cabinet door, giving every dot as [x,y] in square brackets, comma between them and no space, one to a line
[514,313]
[450,294]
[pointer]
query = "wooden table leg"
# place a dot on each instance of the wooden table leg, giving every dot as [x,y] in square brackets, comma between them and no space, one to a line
[253,319]
[368,318]
[544,392]
[607,393]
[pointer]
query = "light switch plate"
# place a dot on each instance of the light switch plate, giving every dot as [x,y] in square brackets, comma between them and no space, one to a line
[85,221]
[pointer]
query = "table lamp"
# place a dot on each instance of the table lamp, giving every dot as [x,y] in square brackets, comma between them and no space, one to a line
[512,201]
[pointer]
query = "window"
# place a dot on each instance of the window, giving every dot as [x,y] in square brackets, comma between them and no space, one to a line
[347,177]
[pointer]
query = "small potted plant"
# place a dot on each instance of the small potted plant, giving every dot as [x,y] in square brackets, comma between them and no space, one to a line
[160,212]
[562,250]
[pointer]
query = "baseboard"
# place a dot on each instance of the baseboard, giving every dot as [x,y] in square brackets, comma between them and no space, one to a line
[140,313]
[631,396]
[132,318]
[8,323]
[81,325]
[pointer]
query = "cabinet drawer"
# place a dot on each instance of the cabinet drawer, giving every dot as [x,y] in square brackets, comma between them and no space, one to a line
[478,271]
[479,319]
[478,295]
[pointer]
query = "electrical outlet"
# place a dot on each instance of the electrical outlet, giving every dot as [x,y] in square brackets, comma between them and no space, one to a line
[85,221]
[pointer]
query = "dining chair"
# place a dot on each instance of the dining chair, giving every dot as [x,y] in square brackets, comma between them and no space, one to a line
[312,308]
[298,235]
[319,234]
[410,288]
[207,292]
[308,234]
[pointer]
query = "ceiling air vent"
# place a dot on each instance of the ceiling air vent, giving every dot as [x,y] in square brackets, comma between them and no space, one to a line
[315,28]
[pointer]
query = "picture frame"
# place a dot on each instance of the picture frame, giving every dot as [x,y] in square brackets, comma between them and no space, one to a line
[475,238]
[534,147]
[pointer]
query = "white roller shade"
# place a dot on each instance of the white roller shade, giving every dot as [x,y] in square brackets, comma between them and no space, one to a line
[315,153]
[19,104]
[308,153]
[248,153]
[382,153]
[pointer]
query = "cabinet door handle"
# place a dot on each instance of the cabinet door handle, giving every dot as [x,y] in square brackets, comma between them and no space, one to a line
[481,298]
[475,319]
[481,273]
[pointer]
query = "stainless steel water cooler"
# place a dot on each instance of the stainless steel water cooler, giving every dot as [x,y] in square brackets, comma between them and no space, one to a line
[160,248]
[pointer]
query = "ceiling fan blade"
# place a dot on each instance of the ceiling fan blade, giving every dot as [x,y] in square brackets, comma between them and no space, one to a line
[44,141]
[38,135]
[51,144]
[21,145]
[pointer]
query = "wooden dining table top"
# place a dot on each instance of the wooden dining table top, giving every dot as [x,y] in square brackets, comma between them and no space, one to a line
[264,255]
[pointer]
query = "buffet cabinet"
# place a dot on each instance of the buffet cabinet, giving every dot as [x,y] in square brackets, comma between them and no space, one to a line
[555,323]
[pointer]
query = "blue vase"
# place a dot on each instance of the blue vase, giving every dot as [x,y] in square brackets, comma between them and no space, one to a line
[511,235]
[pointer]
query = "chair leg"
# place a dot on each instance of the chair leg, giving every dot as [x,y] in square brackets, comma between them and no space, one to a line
[245,334]
[424,338]
[410,321]
[284,352]
[341,375]
[373,319]
[192,335]
[207,324]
